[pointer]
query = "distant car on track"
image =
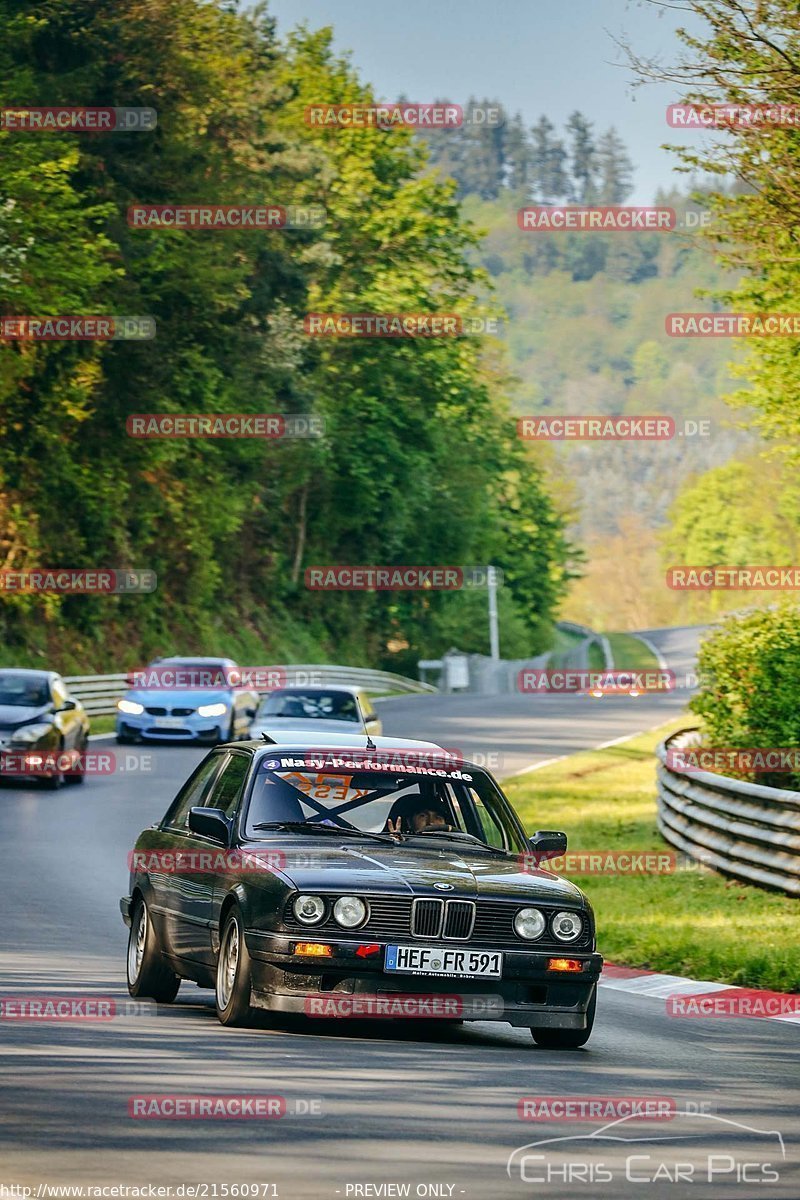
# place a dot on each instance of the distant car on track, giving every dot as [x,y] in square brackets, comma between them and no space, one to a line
[186,699]
[42,727]
[322,709]
[312,873]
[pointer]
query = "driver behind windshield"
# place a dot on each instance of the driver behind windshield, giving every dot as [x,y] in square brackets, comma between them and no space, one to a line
[415,814]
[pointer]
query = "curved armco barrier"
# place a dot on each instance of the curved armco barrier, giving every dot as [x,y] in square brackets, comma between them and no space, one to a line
[99,693]
[742,829]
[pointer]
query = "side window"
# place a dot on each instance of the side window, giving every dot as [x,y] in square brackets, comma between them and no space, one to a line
[193,792]
[491,831]
[228,785]
[58,691]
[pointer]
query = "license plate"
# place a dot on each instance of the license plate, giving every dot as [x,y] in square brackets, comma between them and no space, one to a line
[443,960]
[170,723]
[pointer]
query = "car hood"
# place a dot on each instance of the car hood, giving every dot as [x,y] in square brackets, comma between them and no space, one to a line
[12,716]
[406,870]
[182,697]
[282,728]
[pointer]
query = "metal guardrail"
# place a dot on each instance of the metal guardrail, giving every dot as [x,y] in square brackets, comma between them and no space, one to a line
[99,693]
[746,830]
[578,658]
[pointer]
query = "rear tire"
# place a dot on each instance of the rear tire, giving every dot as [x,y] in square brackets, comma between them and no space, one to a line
[148,974]
[567,1039]
[233,983]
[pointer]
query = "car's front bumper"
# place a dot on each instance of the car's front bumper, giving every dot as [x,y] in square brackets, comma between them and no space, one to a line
[193,728]
[530,992]
[14,761]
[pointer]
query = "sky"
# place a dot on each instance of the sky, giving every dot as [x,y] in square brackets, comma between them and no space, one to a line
[533,55]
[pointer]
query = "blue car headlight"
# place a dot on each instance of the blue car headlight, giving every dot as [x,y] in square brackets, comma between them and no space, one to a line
[212,710]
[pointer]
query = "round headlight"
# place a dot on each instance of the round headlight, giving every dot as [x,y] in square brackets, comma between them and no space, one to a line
[567,926]
[529,924]
[350,912]
[309,910]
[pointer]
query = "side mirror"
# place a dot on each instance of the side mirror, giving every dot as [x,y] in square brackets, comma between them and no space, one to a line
[209,822]
[67,706]
[548,843]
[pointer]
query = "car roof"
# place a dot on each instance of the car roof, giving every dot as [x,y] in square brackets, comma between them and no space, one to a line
[304,689]
[302,739]
[30,672]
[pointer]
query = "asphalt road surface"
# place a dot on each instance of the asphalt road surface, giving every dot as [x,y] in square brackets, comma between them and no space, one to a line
[373,1107]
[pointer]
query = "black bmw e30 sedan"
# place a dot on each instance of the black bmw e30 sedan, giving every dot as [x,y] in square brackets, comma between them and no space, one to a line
[287,875]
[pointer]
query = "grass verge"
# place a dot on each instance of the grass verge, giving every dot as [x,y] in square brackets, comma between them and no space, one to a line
[631,654]
[102,724]
[692,922]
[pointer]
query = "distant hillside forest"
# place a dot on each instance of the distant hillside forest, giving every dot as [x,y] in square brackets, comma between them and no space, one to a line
[585,334]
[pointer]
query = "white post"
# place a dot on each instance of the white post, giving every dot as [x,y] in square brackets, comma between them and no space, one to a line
[494,633]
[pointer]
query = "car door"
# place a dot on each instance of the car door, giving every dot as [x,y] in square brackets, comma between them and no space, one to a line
[182,897]
[226,795]
[208,859]
[68,721]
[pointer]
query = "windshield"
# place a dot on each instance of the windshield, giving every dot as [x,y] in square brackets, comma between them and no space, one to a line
[21,691]
[309,704]
[183,674]
[420,799]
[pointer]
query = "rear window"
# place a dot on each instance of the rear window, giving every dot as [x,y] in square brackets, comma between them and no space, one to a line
[311,704]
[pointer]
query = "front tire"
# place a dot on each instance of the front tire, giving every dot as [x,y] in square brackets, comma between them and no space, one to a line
[233,983]
[148,974]
[79,774]
[566,1039]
